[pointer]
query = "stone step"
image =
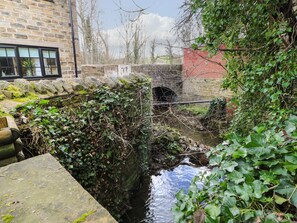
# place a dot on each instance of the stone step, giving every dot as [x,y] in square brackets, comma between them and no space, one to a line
[40,190]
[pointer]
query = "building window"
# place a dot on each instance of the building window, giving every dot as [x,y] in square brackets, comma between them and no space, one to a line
[29,62]
[8,62]
[50,62]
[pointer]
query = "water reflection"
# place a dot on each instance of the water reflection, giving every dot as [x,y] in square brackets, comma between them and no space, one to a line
[153,203]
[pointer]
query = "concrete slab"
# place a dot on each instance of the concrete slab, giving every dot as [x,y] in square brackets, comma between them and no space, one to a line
[40,190]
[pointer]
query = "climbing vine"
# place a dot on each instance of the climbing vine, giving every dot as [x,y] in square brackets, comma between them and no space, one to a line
[100,137]
[253,179]
[258,39]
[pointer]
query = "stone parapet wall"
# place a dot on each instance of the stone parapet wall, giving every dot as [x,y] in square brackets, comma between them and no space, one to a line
[40,23]
[199,88]
[21,88]
[169,76]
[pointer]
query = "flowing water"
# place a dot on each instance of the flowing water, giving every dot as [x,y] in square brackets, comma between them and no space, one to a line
[156,197]
[153,203]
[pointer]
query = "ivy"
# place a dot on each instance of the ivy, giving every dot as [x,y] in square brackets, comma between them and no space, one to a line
[253,179]
[99,137]
[258,39]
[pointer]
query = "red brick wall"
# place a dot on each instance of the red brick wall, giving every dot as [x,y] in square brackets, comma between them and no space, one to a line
[197,64]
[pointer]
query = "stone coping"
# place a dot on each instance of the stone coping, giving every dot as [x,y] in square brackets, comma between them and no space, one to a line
[41,190]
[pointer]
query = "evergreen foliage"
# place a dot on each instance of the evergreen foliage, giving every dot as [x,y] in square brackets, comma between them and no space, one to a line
[259,42]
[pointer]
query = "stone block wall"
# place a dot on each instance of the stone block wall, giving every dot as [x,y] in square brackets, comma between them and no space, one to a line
[40,23]
[203,88]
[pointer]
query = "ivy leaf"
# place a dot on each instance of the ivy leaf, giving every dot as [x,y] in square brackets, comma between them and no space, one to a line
[236,176]
[240,153]
[229,201]
[258,185]
[279,200]
[235,211]
[229,166]
[212,210]
[289,190]
[255,140]
[290,127]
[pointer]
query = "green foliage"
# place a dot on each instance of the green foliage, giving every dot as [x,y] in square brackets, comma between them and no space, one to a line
[7,218]
[196,110]
[253,179]
[217,109]
[93,134]
[83,217]
[166,144]
[259,42]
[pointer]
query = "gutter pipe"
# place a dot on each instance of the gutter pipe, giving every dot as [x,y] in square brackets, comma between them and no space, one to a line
[73,37]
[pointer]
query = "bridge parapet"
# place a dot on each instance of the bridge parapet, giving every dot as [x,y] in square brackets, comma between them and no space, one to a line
[163,75]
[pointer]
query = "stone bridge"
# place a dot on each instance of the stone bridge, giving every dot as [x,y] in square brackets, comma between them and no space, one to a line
[167,79]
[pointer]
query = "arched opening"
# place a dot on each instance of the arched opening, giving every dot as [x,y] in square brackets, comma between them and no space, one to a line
[164,94]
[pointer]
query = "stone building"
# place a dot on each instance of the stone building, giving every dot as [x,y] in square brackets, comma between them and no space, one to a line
[203,75]
[36,39]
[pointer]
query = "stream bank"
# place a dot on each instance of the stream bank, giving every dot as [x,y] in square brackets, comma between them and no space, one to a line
[178,155]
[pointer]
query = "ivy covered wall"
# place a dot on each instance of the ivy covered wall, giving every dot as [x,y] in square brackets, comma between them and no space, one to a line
[101,136]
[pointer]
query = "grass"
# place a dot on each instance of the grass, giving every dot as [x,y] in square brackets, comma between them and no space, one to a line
[194,109]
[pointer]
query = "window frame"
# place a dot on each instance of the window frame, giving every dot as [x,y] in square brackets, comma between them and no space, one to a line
[41,60]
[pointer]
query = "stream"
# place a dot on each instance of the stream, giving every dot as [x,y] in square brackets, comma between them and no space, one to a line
[156,197]
[153,202]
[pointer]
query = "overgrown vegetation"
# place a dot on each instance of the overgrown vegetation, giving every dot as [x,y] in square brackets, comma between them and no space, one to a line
[101,138]
[259,43]
[253,178]
[166,145]
[194,109]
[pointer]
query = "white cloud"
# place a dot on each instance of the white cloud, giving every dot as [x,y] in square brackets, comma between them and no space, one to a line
[154,26]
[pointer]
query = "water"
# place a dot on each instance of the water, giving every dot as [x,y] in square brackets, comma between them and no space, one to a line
[153,203]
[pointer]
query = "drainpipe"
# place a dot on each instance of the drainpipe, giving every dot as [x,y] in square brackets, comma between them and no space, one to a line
[72,35]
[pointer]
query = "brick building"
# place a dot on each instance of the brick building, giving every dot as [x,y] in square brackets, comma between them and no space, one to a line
[36,39]
[203,75]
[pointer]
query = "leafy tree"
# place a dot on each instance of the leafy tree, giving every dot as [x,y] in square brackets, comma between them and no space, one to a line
[259,41]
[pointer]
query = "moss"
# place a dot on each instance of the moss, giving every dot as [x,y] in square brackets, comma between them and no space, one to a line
[31,96]
[7,218]
[83,217]
[3,113]
[2,97]
[15,91]
[82,92]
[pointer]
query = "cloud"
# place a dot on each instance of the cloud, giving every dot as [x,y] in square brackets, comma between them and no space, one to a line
[153,26]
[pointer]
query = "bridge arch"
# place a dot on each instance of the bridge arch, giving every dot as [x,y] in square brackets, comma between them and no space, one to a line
[164,94]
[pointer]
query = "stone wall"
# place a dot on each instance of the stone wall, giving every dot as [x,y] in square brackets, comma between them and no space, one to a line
[40,23]
[203,88]
[41,190]
[168,76]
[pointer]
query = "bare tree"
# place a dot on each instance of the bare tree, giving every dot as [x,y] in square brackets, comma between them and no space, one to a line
[153,45]
[93,41]
[169,51]
[133,37]
[188,26]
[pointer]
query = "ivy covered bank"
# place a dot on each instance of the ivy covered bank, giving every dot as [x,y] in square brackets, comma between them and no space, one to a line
[253,177]
[101,136]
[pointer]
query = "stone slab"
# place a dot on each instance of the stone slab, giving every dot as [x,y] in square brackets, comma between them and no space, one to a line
[40,190]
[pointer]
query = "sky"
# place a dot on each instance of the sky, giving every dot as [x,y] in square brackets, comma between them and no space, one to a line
[110,9]
[157,22]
